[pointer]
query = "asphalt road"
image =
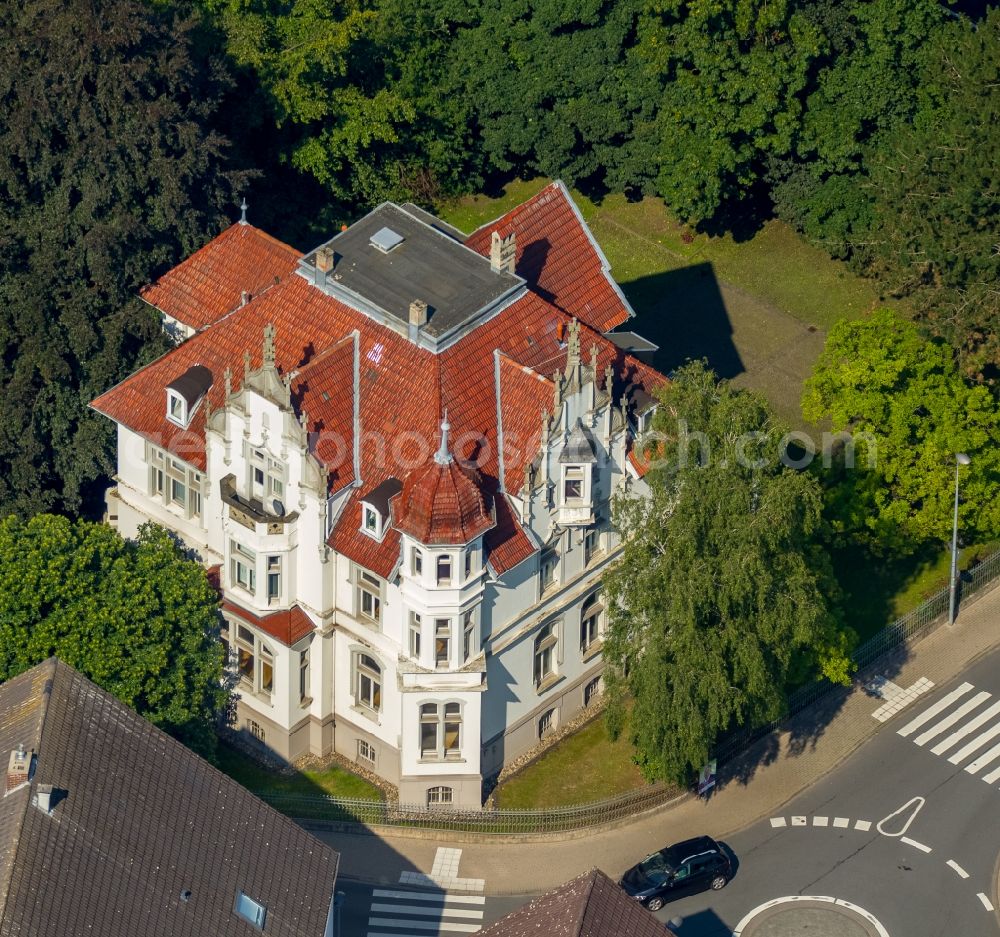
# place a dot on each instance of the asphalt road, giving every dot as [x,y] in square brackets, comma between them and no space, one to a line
[880,831]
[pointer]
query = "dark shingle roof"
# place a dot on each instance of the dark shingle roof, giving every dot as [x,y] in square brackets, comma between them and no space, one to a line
[141,819]
[588,906]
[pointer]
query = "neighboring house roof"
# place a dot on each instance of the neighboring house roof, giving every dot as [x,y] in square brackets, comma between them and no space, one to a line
[211,282]
[145,837]
[287,626]
[559,257]
[329,348]
[590,905]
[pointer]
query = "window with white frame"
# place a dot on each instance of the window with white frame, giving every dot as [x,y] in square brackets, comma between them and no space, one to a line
[177,409]
[441,731]
[468,562]
[549,567]
[469,645]
[371,522]
[267,474]
[547,723]
[305,696]
[442,642]
[242,566]
[175,484]
[416,562]
[369,596]
[444,570]
[591,621]
[254,662]
[252,911]
[545,653]
[573,484]
[439,796]
[415,632]
[367,682]
[366,751]
[591,545]
[273,579]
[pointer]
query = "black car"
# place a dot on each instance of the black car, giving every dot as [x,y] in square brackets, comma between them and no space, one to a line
[681,869]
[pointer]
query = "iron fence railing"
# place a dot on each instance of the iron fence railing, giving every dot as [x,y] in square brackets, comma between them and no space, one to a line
[319,810]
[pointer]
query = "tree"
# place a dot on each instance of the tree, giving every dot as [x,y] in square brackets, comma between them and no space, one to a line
[136,617]
[902,397]
[719,600]
[937,198]
[733,76]
[109,172]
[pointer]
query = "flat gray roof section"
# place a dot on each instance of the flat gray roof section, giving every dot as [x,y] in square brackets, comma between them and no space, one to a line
[457,284]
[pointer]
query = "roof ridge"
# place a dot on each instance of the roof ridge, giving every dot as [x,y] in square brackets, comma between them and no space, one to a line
[510,211]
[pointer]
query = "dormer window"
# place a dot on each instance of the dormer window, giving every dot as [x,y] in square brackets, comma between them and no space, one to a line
[186,393]
[644,421]
[375,508]
[577,464]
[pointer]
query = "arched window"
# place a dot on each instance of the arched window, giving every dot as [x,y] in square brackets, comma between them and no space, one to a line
[368,682]
[591,622]
[545,653]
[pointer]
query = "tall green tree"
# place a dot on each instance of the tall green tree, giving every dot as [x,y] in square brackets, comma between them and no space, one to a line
[109,172]
[733,77]
[137,617]
[937,196]
[910,411]
[720,598]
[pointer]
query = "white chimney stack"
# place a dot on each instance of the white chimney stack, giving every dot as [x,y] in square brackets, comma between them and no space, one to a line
[503,252]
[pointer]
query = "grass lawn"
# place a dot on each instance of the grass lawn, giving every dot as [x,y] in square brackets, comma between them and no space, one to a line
[331,780]
[584,767]
[879,590]
[758,309]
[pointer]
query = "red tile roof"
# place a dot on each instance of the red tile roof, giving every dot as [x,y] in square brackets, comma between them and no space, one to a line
[210,283]
[402,390]
[284,626]
[559,258]
[441,503]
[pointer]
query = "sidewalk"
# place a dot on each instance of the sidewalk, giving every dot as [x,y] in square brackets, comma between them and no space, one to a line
[783,766]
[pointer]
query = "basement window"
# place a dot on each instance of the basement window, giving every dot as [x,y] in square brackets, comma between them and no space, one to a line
[252,911]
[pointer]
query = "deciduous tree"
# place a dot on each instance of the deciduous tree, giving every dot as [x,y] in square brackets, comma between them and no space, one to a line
[136,617]
[720,598]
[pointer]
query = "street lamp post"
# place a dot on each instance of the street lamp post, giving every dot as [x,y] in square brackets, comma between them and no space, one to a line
[960,459]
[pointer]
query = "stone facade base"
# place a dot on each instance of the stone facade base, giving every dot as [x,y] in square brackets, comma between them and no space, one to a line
[354,743]
[446,790]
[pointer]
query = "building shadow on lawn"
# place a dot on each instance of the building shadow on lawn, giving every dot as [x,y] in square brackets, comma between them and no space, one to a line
[683,312]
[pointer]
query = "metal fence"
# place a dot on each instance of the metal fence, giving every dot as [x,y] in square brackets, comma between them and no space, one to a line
[903,631]
[323,810]
[319,811]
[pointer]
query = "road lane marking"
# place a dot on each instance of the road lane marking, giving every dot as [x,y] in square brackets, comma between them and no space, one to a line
[438,896]
[798,821]
[985,716]
[880,931]
[863,825]
[932,711]
[820,821]
[914,844]
[841,822]
[986,901]
[978,742]
[957,868]
[917,801]
[983,760]
[437,912]
[778,821]
[952,718]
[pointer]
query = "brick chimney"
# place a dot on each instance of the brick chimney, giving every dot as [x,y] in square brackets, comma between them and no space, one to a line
[18,768]
[503,252]
[324,264]
[418,318]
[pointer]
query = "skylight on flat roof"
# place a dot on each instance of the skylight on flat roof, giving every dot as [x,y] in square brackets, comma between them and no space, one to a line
[250,910]
[385,239]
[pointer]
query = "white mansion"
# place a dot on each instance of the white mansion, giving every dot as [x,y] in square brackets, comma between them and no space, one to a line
[398,450]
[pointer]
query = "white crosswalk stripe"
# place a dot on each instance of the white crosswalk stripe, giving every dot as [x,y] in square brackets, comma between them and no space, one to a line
[960,718]
[423,913]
